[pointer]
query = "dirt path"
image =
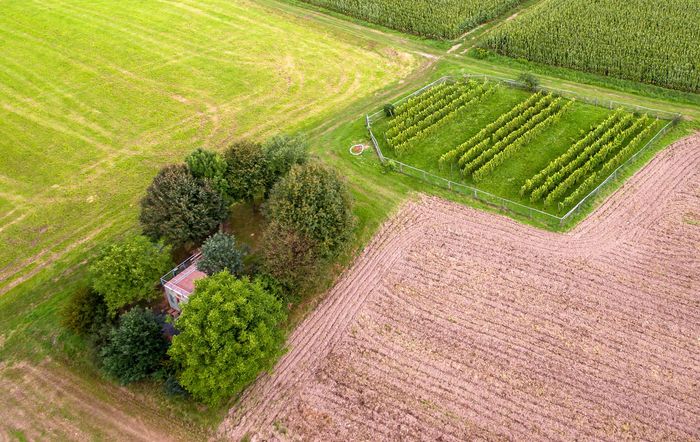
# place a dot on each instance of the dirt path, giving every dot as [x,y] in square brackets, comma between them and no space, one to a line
[70,409]
[458,324]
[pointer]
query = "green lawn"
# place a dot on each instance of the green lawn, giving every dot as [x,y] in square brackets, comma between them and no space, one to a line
[507,179]
[97,95]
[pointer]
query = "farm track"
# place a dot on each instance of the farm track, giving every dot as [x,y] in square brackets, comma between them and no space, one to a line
[457,324]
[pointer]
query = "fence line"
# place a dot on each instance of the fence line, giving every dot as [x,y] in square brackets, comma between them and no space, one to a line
[495,200]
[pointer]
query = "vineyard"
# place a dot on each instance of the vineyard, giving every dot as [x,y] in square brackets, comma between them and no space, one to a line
[442,19]
[590,160]
[649,42]
[538,149]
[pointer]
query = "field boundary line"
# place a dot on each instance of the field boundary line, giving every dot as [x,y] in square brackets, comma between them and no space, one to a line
[506,204]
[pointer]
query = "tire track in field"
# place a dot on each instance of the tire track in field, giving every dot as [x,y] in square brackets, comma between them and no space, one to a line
[460,324]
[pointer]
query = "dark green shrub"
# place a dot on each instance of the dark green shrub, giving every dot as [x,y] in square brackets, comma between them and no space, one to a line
[85,312]
[181,209]
[229,332]
[220,252]
[127,272]
[389,110]
[529,81]
[136,348]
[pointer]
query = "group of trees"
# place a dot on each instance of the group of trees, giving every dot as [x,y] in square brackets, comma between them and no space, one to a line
[127,338]
[231,327]
[186,203]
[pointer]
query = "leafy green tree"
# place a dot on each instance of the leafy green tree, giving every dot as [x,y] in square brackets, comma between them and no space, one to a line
[126,272]
[136,348]
[219,252]
[282,152]
[181,209]
[211,165]
[312,201]
[85,311]
[247,170]
[229,332]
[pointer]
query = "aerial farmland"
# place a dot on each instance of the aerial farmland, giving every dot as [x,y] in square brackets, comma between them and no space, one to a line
[349,220]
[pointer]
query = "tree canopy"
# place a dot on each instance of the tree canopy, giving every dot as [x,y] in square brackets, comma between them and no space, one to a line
[219,252]
[229,332]
[247,170]
[312,201]
[136,348]
[207,164]
[281,153]
[85,311]
[181,209]
[126,272]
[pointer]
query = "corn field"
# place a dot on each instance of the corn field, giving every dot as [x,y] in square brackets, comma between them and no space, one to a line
[641,40]
[443,19]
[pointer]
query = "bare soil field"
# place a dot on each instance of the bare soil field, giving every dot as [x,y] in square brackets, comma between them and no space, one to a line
[458,324]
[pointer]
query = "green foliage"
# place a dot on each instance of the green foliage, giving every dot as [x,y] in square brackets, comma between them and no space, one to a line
[220,252]
[429,18]
[136,347]
[640,40]
[126,272]
[281,153]
[579,168]
[425,113]
[229,333]
[181,209]
[530,81]
[389,110]
[85,312]
[247,170]
[289,256]
[210,165]
[314,202]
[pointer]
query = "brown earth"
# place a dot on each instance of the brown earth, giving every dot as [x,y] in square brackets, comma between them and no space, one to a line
[457,324]
[47,402]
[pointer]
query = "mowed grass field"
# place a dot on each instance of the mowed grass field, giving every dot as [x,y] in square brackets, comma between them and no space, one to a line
[96,96]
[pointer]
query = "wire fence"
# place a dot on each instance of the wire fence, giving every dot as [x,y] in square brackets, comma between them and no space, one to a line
[505,204]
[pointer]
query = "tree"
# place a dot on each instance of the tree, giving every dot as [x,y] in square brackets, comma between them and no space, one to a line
[136,347]
[206,164]
[181,209]
[282,152]
[219,252]
[126,272]
[312,201]
[85,312]
[288,256]
[247,170]
[229,332]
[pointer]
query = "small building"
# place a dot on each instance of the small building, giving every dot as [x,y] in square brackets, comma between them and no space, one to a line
[179,282]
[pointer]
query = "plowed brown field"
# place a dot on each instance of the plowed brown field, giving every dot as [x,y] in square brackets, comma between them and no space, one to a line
[457,324]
